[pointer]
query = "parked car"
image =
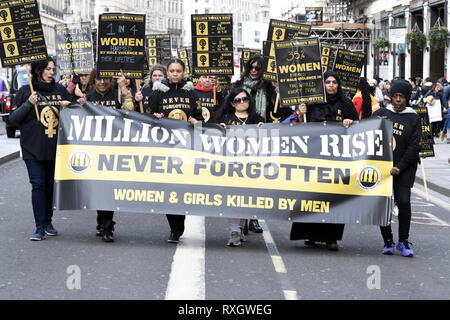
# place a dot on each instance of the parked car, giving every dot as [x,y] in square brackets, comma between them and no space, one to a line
[19,79]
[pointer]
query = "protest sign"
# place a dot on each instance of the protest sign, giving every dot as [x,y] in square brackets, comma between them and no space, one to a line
[212,44]
[22,37]
[299,68]
[427,139]
[184,54]
[124,161]
[329,52]
[159,49]
[349,65]
[74,48]
[121,45]
[246,55]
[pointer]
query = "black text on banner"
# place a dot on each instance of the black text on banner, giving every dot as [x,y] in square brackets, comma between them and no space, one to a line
[310,173]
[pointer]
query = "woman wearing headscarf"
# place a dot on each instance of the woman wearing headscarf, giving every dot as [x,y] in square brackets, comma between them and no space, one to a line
[338,108]
[38,139]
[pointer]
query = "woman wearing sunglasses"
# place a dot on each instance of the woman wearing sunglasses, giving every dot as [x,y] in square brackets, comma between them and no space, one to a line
[239,109]
[263,94]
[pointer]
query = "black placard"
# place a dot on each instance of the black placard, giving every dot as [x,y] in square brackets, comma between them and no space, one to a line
[185,55]
[212,44]
[22,37]
[121,45]
[159,49]
[299,69]
[427,140]
[74,48]
[280,31]
[349,65]
[329,52]
[246,55]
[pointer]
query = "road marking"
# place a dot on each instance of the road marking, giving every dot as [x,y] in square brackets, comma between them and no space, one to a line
[435,221]
[187,278]
[420,192]
[278,263]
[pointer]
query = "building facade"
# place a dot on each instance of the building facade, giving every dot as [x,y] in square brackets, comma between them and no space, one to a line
[392,21]
[52,13]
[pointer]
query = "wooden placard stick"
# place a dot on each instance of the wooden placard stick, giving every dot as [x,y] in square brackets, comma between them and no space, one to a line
[32,91]
[138,88]
[425,180]
[215,95]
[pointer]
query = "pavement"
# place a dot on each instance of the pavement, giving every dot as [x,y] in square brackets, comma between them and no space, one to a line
[437,169]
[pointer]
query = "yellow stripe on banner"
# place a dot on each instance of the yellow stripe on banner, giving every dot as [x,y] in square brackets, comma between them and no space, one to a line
[176,166]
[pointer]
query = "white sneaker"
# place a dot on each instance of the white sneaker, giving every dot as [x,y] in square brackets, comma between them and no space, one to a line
[235,240]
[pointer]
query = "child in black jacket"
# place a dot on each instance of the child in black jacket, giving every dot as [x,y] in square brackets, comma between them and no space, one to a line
[407,134]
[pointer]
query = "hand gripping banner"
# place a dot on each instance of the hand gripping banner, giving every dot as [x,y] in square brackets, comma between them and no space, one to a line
[124,161]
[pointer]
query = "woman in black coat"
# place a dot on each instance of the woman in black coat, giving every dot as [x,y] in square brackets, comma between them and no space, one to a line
[38,139]
[339,108]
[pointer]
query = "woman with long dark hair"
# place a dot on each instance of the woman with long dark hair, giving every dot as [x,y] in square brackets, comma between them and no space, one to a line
[38,139]
[338,108]
[365,103]
[174,98]
[239,109]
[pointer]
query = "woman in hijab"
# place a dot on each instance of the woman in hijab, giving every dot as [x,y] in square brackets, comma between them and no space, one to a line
[338,108]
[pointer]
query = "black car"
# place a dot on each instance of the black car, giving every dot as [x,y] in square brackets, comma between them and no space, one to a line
[19,78]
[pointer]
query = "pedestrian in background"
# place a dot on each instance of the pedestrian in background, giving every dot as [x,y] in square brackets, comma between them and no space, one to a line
[38,139]
[364,102]
[407,134]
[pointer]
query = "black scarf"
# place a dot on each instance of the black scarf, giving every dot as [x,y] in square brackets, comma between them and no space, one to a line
[44,87]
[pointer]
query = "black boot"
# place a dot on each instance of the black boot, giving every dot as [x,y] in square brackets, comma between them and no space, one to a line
[108,231]
[255,227]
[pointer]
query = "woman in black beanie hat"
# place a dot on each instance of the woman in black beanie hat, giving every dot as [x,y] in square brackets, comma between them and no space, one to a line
[338,108]
[407,133]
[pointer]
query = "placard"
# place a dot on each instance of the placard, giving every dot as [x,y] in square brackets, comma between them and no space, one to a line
[22,37]
[314,15]
[212,44]
[329,52]
[246,55]
[159,49]
[299,69]
[349,65]
[184,55]
[280,31]
[74,48]
[121,45]
[427,139]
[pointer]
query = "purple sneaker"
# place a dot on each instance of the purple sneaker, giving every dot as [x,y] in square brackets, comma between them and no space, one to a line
[389,247]
[405,249]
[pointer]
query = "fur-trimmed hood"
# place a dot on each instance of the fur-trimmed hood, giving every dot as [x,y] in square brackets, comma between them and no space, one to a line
[166,86]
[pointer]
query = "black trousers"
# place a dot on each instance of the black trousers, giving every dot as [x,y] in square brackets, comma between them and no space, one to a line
[103,216]
[402,197]
[176,223]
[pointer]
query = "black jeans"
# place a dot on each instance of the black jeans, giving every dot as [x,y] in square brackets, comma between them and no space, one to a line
[176,224]
[41,175]
[402,197]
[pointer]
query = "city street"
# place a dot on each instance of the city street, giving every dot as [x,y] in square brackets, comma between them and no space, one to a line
[142,265]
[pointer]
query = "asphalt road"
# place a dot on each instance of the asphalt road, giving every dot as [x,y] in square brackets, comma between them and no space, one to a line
[142,265]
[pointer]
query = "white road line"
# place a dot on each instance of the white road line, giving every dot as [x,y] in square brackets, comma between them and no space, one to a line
[187,278]
[278,263]
[421,192]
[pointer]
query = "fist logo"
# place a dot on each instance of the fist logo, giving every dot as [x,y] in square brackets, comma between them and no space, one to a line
[11,48]
[202,28]
[7,31]
[4,15]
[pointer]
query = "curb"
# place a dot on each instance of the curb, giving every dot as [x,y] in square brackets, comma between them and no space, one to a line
[441,190]
[10,157]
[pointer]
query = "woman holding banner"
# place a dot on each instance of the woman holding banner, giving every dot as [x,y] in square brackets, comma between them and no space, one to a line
[157,74]
[36,112]
[104,94]
[338,108]
[175,98]
[407,135]
[239,109]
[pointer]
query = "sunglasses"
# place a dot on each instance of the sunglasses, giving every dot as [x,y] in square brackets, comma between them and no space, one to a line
[241,100]
[257,68]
